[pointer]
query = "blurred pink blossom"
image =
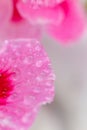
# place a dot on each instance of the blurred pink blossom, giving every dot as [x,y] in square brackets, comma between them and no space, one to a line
[12,25]
[72,26]
[64,20]
[26,82]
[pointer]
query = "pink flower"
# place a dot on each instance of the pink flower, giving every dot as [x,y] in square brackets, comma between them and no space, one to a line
[26,77]
[64,19]
[26,82]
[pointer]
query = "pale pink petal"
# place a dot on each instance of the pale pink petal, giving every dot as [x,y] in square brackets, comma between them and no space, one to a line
[15,27]
[73,24]
[42,11]
[5,11]
[26,80]
[22,29]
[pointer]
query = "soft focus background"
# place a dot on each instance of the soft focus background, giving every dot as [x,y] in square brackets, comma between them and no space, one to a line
[69,109]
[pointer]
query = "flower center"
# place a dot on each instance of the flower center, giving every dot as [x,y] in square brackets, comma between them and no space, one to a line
[16,17]
[5,86]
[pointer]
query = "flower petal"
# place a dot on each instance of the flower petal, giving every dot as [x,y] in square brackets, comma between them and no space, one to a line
[42,11]
[15,16]
[21,29]
[73,25]
[5,11]
[64,20]
[32,80]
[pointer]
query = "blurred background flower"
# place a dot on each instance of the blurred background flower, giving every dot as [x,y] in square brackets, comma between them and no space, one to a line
[12,25]
[64,19]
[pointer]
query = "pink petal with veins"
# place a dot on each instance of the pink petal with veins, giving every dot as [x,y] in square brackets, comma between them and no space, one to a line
[27,82]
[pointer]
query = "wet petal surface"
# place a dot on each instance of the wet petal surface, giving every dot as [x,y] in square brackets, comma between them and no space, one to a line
[32,82]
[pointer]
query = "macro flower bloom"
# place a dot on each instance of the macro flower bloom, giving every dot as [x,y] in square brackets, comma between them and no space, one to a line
[64,20]
[26,82]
